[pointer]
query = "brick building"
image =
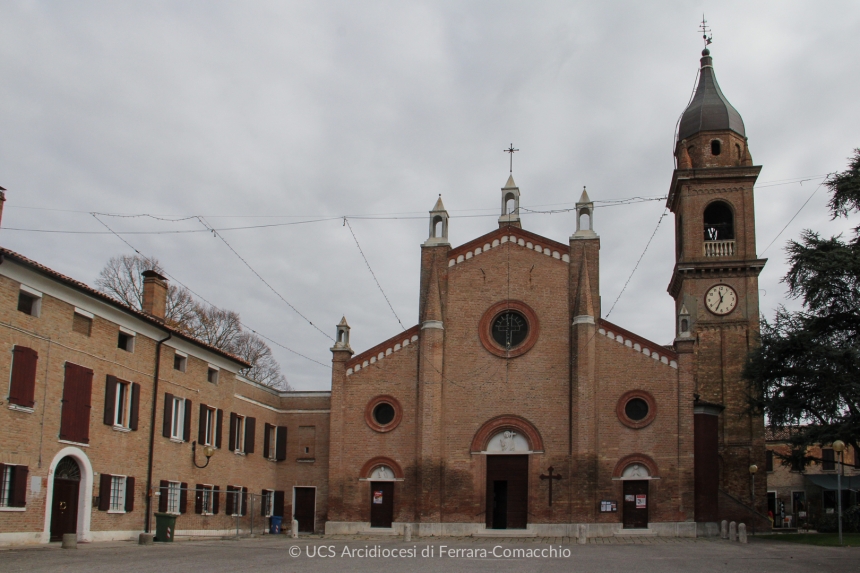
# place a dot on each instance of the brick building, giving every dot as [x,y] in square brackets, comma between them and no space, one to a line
[511,404]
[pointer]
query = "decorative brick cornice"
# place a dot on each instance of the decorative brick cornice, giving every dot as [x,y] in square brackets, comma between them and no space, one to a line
[637,343]
[513,235]
[383,349]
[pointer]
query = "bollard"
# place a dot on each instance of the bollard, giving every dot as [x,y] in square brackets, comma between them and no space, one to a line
[294,530]
[582,535]
[407,532]
[733,531]
[742,532]
[70,541]
[145,539]
[724,529]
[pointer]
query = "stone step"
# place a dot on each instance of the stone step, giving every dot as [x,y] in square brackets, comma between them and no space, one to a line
[636,533]
[505,533]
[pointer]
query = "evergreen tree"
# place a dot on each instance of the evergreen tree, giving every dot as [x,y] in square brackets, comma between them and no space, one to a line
[806,373]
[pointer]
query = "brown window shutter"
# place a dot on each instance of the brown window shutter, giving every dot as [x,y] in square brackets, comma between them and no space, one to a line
[129,494]
[183,497]
[198,499]
[162,499]
[231,500]
[250,426]
[23,384]
[231,439]
[135,407]
[263,503]
[77,393]
[244,501]
[201,424]
[216,499]
[219,419]
[266,444]
[19,486]
[279,504]
[186,430]
[281,446]
[104,492]
[168,414]
[110,400]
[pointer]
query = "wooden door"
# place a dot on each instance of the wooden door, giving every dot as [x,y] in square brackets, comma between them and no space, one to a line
[304,508]
[64,508]
[636,504]
[507,492]
[381,503]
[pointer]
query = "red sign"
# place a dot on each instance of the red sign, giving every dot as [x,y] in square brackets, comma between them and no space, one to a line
[641,501]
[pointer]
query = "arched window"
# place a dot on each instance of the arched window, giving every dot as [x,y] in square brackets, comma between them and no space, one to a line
[716,147]
[719,222]
[510,204]
[438,230]
[585,220]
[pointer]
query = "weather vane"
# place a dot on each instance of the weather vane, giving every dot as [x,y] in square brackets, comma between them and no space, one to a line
[707,36]
[511,150]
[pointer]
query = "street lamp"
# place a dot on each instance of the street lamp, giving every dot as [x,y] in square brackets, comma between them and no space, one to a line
[839,446]
[207,451]
[753,470]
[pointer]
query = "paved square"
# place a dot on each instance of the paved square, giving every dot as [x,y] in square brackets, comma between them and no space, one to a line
[276,554]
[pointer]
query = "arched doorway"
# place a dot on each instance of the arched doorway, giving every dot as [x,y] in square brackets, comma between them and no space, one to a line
[636,479]
[64,503]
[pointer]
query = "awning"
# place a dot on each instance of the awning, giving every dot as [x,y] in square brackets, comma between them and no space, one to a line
[828,481]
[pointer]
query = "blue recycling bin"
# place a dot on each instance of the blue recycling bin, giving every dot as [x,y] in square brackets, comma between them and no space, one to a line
[275,525]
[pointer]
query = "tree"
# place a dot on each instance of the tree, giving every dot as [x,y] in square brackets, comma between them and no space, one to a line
[806,372]
[121,278]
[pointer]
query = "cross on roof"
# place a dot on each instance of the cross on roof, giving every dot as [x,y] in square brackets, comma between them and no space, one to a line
[706,35]
[511,150]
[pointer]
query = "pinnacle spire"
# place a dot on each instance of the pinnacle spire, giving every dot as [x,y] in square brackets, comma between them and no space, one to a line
[584,309]
[439,206]
[433,306]
[510,184]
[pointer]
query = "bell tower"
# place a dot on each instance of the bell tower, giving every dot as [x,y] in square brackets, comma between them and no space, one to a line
[715,287]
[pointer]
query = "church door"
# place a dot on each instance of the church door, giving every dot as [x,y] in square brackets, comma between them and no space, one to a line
[635,504]
[507,492]
[381,503]
[304,508]
[64,506]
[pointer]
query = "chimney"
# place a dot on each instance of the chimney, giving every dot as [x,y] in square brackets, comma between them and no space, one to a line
[154,294]
[2,202]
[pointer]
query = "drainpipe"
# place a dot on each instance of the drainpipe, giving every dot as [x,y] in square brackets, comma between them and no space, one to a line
[146,526]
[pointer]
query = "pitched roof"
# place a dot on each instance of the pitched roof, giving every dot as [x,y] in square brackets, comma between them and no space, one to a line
[88,290]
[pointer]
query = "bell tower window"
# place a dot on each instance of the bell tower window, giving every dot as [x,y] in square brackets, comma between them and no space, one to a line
[719,230]
[716,147]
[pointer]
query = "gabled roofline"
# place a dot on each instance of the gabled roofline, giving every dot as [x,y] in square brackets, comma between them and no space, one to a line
[89,291]
[383,346]
[501,232]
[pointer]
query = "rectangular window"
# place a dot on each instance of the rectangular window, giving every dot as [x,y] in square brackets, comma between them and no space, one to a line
[769,462]
[82,323]
[797,461]
[236,500]
[117,493]
[174,491]
[6,486]
[180,361]
[177,419]
[209,427]
[239,435]
[212,375]
[122,405]
[828,462]
[268,504]
[29,301]
[206,499]
[22,386]
[272,439]
[125,340]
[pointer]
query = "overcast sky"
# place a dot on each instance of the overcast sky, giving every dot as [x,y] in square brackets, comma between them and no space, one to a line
[266,113]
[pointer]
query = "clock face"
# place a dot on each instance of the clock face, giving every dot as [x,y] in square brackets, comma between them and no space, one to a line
[721,299]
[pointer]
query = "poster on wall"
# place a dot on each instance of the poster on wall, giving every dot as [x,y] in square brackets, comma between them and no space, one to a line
[608,506]
[377,497]
[641,501]
[629,497]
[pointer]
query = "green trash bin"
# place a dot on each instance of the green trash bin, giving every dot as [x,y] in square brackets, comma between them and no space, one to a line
[165,527]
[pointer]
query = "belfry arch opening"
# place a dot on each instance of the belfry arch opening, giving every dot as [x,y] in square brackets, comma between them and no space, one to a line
[719,222]
[438,227]
[510,204]
[585,220]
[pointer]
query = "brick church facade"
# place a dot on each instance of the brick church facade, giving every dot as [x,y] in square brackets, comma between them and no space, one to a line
[511,405]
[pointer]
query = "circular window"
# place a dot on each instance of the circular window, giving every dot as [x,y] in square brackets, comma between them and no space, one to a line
[383,413]
[509,329]
[636,409]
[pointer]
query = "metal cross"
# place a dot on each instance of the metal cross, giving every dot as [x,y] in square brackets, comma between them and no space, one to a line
[511,150]
[705,31]
[550,477]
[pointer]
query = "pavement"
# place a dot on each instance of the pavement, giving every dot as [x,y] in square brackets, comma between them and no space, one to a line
[446,555]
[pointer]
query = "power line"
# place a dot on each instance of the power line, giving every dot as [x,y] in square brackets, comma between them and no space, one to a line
[201,297]
[259,276]
[346,222]
[796,214]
